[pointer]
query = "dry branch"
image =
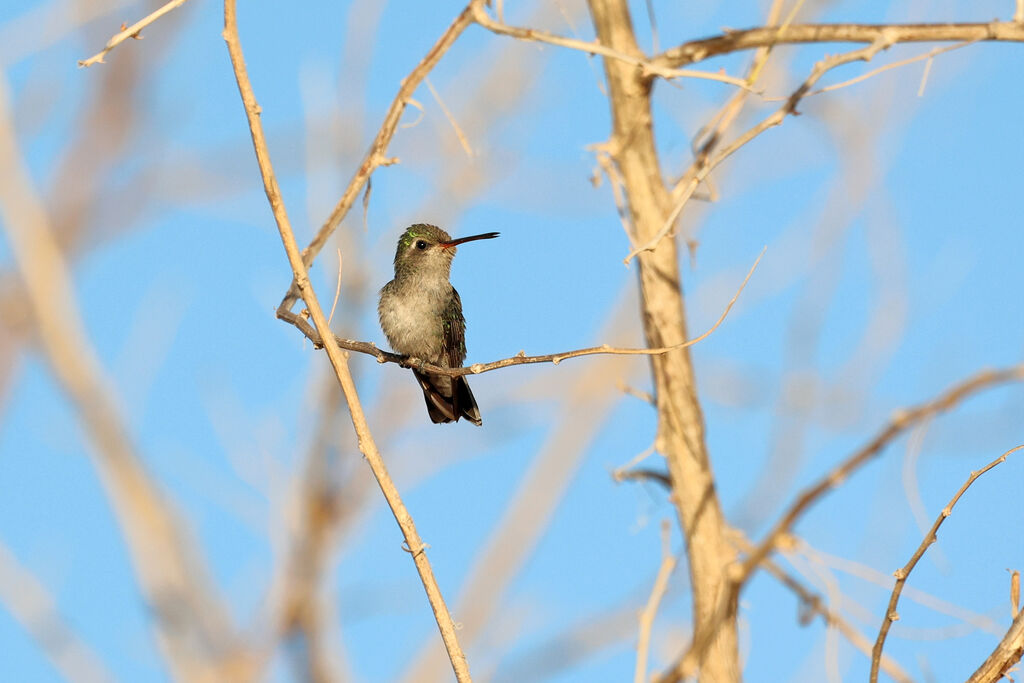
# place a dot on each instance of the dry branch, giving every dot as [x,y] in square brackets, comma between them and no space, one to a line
[705,162]
[587,405]
[32,605]
[668,564]
[195,632]
[904,572]
[130,32]
[680,437]
[521,358]
[899,423]
[734,41]
[338,360]
[376,156]
[1004,657]
[481,17]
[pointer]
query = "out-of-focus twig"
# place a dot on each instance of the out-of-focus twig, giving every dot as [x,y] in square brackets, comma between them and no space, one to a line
[376,156]
[901,574]
[196,633]
[32,605]
[668,564]
[595,48]
[521,358]
[812,603]
[130,32]
[339,362]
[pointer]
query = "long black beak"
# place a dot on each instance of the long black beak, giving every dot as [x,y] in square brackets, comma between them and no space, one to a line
[484,236]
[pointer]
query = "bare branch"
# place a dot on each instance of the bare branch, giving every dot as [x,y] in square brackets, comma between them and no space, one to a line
[521,359]
[734,41]
[705,163]
[898,424]
[338,360]
[376,156]
[31,604]
[130,32]
[814,604]
[595,48]
[903,573]
[193,628]
[668,564]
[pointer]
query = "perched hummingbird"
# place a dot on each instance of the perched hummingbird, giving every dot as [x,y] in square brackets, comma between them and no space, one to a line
[421,315]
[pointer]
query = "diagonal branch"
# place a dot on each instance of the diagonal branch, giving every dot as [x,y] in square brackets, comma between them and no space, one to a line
[898,424]
[130,32]
[376,156]
[481,17]
[195,632]
[904,572]
[339,362]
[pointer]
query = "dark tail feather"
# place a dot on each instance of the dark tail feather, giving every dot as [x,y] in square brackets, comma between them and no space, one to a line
[465,403]
[443,409]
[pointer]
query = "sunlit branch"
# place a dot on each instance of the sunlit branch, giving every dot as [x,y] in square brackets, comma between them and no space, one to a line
[130,32]
[904,572]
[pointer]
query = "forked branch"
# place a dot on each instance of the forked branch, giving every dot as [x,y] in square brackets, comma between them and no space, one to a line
[338,360]
[904,572]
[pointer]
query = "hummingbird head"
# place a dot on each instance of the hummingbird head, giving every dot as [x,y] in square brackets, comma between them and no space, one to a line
[425,248]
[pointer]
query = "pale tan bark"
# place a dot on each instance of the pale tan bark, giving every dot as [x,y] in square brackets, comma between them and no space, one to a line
[680,436]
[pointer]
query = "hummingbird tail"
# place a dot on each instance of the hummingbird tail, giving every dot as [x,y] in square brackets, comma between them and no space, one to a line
[458,402]
[465,403]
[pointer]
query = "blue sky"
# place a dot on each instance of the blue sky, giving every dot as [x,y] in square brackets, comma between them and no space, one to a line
[892,271]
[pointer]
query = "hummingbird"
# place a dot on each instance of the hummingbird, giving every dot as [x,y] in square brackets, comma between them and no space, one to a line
[421,315]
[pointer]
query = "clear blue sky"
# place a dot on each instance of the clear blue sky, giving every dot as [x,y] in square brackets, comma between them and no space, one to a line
[893,270]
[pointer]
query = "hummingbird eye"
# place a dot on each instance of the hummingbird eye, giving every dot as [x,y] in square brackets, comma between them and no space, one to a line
[421,245]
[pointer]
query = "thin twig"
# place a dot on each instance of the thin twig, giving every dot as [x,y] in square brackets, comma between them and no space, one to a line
[668,564]
[734,41]
[376,155]
[812,603]
[898,424]
[337,289]
[931,54]
[339,362]
[705,164]
[194,629]
[520,359]
[595,48]
[1014,593]
[130,32]
[33,606]
[904,572]
[463,140]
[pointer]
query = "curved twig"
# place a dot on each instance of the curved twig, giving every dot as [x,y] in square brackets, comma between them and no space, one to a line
[300,322]
[901,574]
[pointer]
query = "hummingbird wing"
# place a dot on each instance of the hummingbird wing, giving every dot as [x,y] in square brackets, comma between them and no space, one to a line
[454,331]
[463,403]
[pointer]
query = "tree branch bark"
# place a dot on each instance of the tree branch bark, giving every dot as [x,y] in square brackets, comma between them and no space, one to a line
[680,435]
[734,41]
